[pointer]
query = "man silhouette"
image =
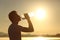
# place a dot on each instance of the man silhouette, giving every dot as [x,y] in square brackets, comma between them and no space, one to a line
[14,29]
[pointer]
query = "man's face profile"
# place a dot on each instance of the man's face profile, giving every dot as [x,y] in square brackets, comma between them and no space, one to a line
[14,17]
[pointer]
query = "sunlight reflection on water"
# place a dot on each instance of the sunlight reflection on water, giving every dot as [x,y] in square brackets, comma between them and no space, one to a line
[40,38]
[34,38]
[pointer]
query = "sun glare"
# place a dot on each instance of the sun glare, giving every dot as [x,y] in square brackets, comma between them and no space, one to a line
[40,13]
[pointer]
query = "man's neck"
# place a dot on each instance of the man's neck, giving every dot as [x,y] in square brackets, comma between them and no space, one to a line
[15,23]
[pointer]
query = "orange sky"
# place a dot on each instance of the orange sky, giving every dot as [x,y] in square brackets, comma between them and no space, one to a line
[49,25]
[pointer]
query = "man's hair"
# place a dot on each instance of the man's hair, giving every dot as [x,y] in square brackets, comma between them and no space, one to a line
[13,16]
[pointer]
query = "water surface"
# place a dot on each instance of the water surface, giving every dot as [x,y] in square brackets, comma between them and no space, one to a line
[34,38]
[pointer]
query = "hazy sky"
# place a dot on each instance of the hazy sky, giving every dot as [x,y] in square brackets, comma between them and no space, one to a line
[49,25]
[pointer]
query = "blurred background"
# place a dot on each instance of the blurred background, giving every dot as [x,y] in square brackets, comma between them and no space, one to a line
[44,14]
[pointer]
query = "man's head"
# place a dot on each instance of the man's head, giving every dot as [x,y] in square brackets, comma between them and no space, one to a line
[14,17]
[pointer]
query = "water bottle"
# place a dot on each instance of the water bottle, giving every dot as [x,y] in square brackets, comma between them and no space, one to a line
[24,16]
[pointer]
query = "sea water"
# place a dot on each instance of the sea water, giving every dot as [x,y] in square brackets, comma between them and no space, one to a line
[34,38]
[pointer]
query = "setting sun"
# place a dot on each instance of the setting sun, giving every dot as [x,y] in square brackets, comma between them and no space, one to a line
[40,13]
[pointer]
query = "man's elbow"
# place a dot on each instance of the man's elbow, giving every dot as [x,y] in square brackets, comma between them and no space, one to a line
[32,30]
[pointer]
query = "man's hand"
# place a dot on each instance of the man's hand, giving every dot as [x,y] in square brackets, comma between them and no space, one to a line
[27,16]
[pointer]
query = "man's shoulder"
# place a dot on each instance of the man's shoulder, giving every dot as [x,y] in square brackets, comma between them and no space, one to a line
[14,25]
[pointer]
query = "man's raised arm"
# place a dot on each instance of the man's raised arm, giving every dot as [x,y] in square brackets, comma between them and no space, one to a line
[30,28]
